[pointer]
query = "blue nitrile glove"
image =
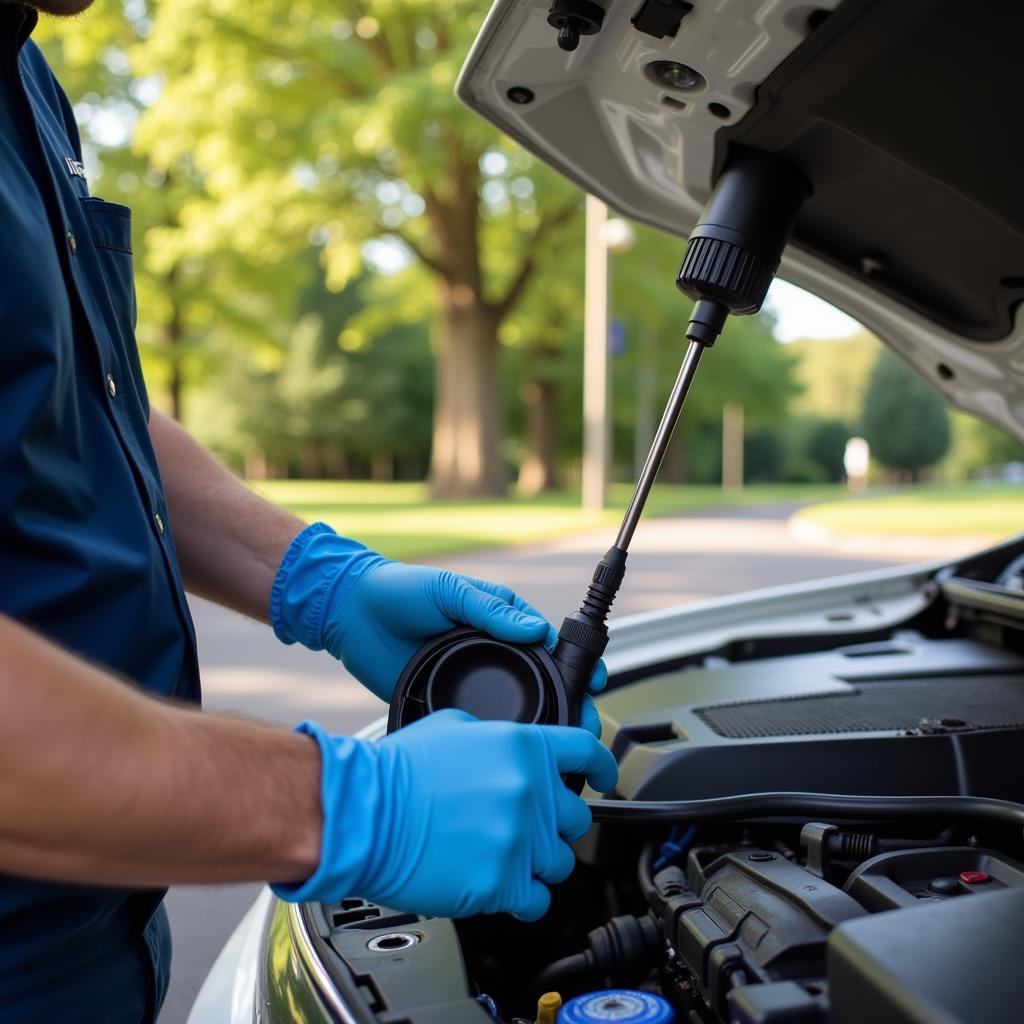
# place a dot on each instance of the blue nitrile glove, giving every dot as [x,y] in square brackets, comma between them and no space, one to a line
[332,593]
[451,816]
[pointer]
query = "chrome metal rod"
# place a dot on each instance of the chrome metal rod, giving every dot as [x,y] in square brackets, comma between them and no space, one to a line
[659,445]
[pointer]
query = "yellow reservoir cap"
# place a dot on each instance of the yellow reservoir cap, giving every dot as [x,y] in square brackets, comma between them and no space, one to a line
[547,1008]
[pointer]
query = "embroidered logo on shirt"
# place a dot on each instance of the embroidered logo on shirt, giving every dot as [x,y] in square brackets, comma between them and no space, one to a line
[75,167]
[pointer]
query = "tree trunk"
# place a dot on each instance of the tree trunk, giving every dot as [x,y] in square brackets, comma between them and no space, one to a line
[174,391]
[676,466]
[336,464]
[309,460]
[732,446]
[173,334]
[539,469]
[382,466]
[466,458]
[255,464]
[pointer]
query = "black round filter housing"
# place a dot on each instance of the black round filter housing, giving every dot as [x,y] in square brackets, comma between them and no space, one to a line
[488,678]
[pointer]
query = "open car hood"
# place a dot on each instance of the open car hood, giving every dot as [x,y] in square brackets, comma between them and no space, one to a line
[905,118]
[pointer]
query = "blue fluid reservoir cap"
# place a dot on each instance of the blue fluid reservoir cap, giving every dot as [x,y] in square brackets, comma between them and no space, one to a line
[617,1006]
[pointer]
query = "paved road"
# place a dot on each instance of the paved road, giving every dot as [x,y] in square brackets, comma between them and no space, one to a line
[671,561]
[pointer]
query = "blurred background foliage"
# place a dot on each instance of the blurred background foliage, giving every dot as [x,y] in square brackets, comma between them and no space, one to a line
[343,274]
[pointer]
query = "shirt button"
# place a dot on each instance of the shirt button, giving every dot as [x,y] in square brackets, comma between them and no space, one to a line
[72,243]
[159,524]
[111,386]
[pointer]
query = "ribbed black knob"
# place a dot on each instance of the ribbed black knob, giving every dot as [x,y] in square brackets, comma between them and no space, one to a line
[735,249]
[723,271]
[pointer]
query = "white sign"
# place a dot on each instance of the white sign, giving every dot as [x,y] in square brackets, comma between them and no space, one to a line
[856,458]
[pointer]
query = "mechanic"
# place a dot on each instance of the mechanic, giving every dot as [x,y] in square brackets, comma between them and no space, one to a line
[108,795]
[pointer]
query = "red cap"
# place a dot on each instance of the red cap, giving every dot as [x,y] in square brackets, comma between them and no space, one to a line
[975,877]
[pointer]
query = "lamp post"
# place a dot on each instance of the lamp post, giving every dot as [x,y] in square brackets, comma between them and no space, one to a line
[643,414]
[732,446]
[604,235]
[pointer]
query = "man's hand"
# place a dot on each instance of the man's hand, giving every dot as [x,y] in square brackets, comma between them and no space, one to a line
[373,614]
[451,816]
[319,589]
[393,608]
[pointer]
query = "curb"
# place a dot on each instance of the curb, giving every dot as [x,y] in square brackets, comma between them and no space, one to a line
[908,546]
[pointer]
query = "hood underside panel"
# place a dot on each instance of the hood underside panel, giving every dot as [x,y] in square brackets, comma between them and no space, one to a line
[906,119]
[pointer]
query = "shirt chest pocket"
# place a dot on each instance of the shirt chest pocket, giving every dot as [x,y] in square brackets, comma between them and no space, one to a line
[110,228]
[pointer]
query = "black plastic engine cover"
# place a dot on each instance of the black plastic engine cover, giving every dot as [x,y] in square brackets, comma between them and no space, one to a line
[763,940]
[937,963]
[910,716]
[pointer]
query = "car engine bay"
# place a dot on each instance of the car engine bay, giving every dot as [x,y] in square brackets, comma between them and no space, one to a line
[819,826]
[804,831]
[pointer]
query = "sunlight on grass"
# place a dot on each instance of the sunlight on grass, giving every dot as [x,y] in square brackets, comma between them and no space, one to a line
[401,521]
[991,511]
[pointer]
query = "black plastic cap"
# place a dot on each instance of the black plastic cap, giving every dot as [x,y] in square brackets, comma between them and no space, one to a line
[574,18]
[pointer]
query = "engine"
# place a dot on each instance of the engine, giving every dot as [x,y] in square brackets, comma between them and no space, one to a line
[810,924]
[768,857]
[773,922]
[752,933]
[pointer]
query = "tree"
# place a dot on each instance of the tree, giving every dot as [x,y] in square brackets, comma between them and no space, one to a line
[826,447]
[833,374]
[978,445]
[387,394]
[323,120]
[334,400]
[905,422]
[746,365]
[186,299]
[544,335]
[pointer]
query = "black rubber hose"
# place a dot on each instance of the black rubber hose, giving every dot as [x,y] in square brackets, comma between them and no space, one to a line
[813,805]
[563,976]
[644,875]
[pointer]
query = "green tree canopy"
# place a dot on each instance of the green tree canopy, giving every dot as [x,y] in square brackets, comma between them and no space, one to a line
[905,422]
[826,447]
[192,302]
[833,374]
[337,123]
[247,136]
[747,365]
[331,400]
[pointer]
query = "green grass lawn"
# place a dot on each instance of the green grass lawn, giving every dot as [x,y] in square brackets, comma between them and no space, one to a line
[991,511]
[401,521]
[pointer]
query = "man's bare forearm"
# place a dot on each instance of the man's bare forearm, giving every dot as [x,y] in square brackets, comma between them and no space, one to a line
[230,541]
[101,784]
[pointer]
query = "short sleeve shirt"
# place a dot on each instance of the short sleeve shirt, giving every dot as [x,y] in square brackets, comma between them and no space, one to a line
[86,553]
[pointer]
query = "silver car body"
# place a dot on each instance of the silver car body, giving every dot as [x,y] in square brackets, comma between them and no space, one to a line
[841,606]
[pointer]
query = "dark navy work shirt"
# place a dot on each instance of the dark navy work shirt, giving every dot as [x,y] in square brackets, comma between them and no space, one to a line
[86,555]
